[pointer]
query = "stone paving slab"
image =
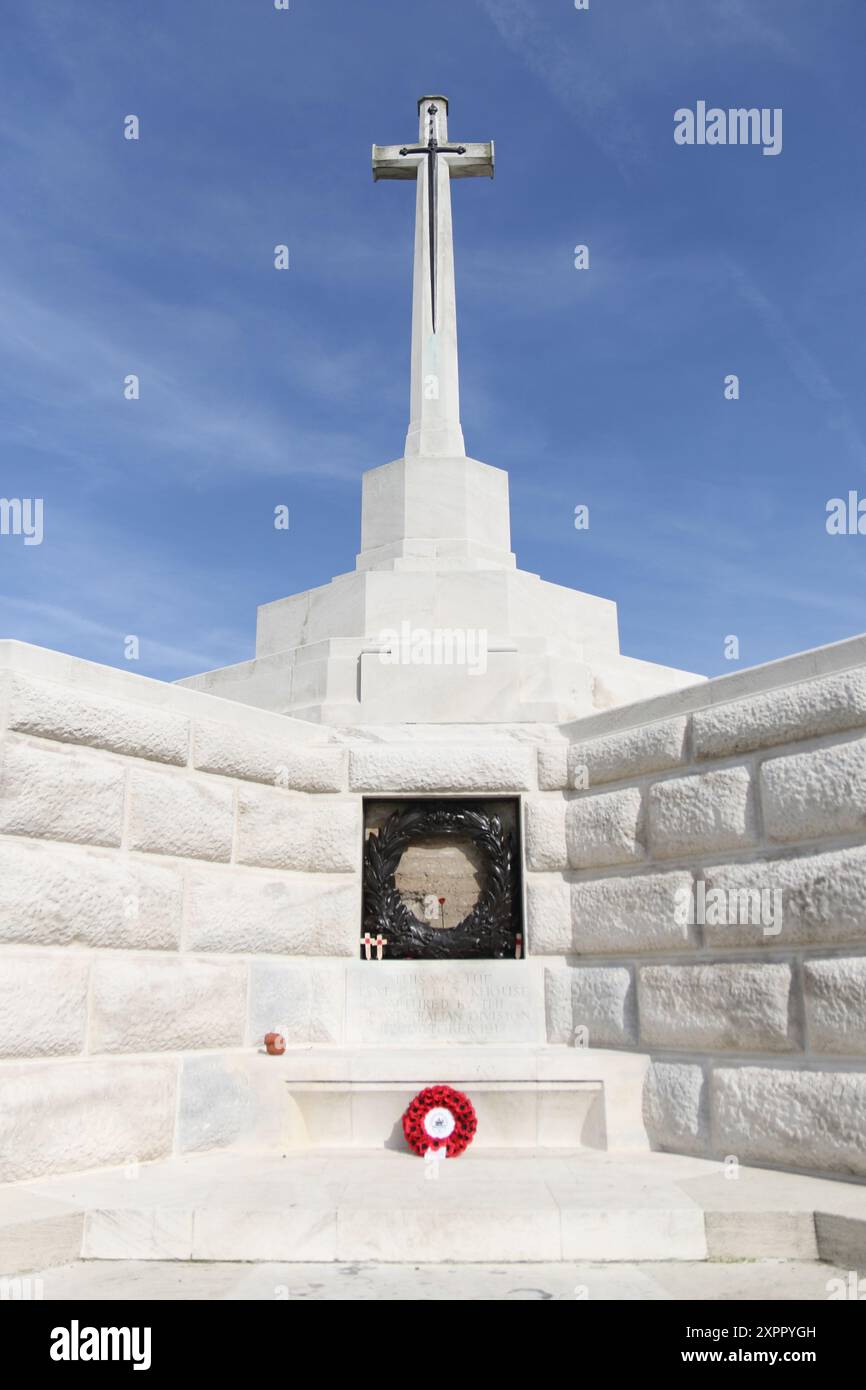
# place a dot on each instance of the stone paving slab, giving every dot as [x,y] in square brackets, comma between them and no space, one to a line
[378,1206]
[764,1281]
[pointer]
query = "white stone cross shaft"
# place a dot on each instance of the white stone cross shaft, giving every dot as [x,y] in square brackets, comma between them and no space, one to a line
[434,413]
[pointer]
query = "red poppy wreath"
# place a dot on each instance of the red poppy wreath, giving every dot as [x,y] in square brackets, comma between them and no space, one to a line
[440,1118]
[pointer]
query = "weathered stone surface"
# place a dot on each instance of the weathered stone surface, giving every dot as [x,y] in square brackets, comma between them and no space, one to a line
[191,818]
[58,895]
[491,1001]
[153,1004]
[43,1003]
[652,748]
[603,1002]
[257,758]
[74,716]
[59,1117]
[289,914]
[823,899]
[229,1101]
[418,767]
[818,793]
[557,1004]
[58,794]
[304,1002]
[676,1103]
[693,815]
[545,834]
[734,1005]
[553,767]
[798,1119]
[633,913]
[279,831]
[548,916]
[835,994]
[829,705]
[605,829]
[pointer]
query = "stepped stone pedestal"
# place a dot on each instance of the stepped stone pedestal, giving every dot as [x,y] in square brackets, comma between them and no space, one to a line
[436,624]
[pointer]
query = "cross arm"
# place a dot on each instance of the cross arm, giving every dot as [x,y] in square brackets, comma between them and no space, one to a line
[388,163]
[476,161]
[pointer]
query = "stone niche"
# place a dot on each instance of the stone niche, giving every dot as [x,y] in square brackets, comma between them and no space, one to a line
[442,879]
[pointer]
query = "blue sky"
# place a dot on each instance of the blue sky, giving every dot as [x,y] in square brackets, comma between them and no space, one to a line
[602,387]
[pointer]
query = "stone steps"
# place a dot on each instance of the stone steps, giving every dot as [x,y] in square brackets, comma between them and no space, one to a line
[380,1207]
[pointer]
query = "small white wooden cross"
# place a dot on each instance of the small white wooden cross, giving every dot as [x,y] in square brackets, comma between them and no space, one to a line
[379,943]
[367,942]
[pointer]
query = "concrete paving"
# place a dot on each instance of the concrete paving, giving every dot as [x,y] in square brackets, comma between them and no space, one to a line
[765,1280]
[384,1207]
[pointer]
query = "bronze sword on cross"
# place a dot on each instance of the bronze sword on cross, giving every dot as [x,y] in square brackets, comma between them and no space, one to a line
[478,163]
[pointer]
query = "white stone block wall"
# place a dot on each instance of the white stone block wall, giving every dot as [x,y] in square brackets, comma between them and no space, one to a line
[756,1028]
[151,883]
[179,874]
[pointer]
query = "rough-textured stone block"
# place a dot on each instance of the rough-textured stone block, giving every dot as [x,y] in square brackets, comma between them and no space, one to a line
[232,1101]
[740,1006]
[797,1119]
[557,1005]
[823,900]
[603,1002]
[258,758]
[418,767]
[43,1003]
[305,1002]
[279,831]
[553,767]
[545,834]
[676,1103]
[57,794]
[818,793]
[605,829]
[57,896]
[60,1117]
[186,817]
[693,815]
[548,916]
[652,748]
[633,913]
[835,993]
[74,716]
[293,914]
[826,706]
[148,1004]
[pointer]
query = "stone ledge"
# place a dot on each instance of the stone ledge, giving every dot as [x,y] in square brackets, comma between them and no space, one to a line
[833,704]
[57,712]
[432,768]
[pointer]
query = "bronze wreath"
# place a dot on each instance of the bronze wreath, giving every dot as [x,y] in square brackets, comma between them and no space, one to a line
[490,929]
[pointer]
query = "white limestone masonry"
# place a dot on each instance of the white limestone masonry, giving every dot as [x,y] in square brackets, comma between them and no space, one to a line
[733,902]
[180,874]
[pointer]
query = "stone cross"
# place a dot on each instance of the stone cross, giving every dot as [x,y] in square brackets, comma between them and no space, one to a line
[434,415]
